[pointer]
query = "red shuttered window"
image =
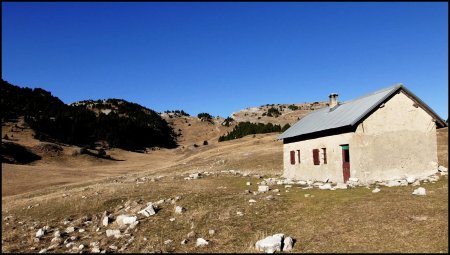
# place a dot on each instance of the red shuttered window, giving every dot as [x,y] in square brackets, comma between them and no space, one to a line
[292,157]
[316,157]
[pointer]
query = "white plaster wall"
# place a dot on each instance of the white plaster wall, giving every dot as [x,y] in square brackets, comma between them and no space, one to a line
[395,141]
[306,170]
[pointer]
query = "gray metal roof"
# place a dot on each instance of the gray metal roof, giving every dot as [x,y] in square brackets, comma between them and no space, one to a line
[347,113]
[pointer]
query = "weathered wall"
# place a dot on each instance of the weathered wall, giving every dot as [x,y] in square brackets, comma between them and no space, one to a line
[396,140]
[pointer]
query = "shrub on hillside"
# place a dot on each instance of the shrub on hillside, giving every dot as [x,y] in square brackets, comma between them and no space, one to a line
[246,128]
[273,112]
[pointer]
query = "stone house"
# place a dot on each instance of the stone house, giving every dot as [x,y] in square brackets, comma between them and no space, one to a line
[388,134]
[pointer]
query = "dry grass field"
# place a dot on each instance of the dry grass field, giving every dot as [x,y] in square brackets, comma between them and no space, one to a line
[78,189]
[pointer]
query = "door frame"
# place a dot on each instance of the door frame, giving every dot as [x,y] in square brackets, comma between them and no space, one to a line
[345,162]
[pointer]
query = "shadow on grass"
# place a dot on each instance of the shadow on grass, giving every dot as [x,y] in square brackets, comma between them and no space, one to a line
[108,157]
[13,153]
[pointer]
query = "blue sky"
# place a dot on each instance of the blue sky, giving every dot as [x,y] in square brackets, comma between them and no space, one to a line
[223,57]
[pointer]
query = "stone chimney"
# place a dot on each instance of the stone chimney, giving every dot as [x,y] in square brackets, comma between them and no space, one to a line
[333,100]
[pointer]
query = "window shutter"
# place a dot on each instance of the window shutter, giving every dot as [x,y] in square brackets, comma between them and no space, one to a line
[324,155]
[292,157]
[316,157]
[298,156]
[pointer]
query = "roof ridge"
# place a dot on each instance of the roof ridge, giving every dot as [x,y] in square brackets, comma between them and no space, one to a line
[395,86]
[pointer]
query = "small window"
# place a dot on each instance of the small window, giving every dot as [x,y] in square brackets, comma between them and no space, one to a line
[323,155]
[316,157]
[292,157]
[298,156]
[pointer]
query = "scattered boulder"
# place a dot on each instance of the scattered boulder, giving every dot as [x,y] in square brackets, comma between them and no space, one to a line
[40,233]
[248,183]
[302,182]
[168,241]
[393,183]
[317,184]
[442,169]
[148,211]
[252,201]
[179,209]
[325,186]
[69,230]
[376,190]
[416,183]
[263,188]
[201,242]
[105,220]
[123,220]
[113,232]
[57,234]
[274,243]
[276,190]
[341,185]
[410,179]
[184,241]
[211,232]
[288,244]
[419,191]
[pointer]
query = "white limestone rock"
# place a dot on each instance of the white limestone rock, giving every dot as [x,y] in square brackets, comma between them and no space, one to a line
[148,211]
[248,183]
[123,220]
[113,232]
[420,191]
[341,185]
[263,188]
[201,242]
[410,179]
[211,232]
[40,233]
[317,184]
[393,183]
[301,182]
[376,190]
[252,201]
[57,233]
[179,209]
[194,175]
[416,183]
[325,186]
[270,244]
[105,220]
[442,169]
[288,244]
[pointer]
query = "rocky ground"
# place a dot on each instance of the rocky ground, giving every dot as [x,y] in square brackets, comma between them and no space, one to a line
[230,211]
